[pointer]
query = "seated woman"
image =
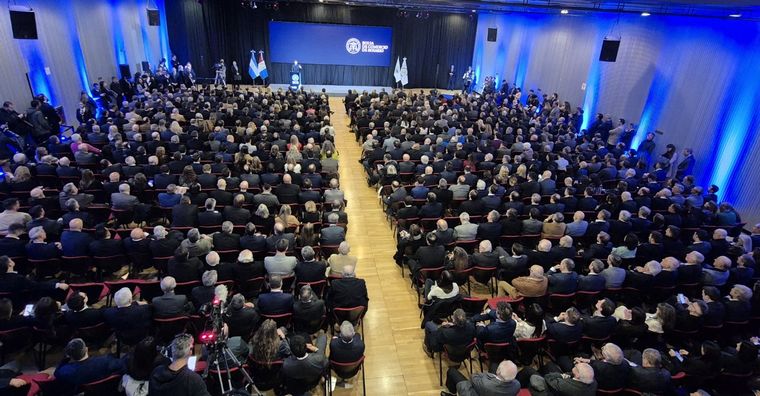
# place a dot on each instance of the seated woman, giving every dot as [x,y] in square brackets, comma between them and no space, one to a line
[628,249]
[310,213]
[269,344]
[533,326]
[444,287]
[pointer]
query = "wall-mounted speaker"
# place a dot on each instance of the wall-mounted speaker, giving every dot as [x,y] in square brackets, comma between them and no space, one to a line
[492,34]
[153,18]
[24,25]
[609,50]
[146,67]
[124,71]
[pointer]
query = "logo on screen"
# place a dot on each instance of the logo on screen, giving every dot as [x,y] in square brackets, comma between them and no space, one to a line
[353,46]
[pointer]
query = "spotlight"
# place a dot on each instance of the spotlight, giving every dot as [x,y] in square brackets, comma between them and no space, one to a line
[321,1]
[474,11]
[564,12]
[645,14]
[735,15]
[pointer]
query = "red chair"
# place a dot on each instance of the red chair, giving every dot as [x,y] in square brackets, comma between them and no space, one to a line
[94,291]
[529,348]
[105,386]
[186,288]
[352,314]
[282,320]
[45,268]
[265,376]
[148,290]
[13,341]
[456,354]
[318,287]
[161,263]
[469,245]
[110,264]
[94,335]
[473,306]
[251,288]
[76,265]
[485,276]
[168,328]
[495,352]
[349,370]
[114,286]
[423,274]
[560,302]
[287,283]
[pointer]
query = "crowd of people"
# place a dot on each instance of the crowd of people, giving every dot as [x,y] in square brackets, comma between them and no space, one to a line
[168,200]
[615,271]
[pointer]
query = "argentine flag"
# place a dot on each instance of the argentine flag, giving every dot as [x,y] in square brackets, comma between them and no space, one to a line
[253,68]
[262,66]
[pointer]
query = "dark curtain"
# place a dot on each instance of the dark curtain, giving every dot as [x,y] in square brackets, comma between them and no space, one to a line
[204,33]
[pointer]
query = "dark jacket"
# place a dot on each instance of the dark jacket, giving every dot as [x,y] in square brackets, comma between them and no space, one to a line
[165,382]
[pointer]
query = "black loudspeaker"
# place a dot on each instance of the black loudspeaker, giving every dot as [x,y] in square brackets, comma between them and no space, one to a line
[146,67]
[492,34]
[124,71]
[153,18]
[609,50]
[24,25]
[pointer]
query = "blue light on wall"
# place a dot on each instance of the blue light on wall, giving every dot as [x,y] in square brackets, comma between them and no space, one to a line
[163,32]
[35,61]
[656,100]
[523,59]
[118,37]
[76,50]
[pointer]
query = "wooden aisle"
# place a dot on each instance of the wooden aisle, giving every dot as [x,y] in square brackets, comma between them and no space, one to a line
[395,363]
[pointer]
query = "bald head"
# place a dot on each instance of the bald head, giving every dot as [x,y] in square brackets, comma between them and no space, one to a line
[76,225]
[507,371]
[583,372]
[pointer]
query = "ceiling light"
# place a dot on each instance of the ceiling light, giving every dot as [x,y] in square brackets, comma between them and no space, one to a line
[735,15]
[321,1]
[564,12]
[474,10]
[645,14]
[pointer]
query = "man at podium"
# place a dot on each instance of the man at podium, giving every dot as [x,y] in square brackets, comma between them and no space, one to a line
[295,76]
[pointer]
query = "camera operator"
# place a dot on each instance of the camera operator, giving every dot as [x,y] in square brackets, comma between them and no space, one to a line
[176,379]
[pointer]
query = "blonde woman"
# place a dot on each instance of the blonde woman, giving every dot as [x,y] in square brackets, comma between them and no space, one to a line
[286,217]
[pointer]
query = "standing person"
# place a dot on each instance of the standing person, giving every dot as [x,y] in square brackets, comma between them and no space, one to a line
[467,80]
[236,77]
[646,148]
[221,73]
[41,127]
[452,78]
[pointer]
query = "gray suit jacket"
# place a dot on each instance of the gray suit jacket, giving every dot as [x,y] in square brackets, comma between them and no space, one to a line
[280,265]
[487,384]
[466,232]
[332,235]
[123,201]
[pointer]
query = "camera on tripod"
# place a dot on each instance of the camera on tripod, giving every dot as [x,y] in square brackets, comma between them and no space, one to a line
[215,313]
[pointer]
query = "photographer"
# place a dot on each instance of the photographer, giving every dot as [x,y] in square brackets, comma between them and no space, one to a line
[176,378]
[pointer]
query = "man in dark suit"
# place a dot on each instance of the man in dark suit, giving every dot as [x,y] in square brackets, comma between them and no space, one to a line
[12,245]
[593,281]
[562,278]
[275,301]
[184,214]
[308,193]
[210,216]
[347,347]
[287,192]
[75,242]
[567,327]
[279,233]
[13,282]
[431,255]
[220,194]
[601,323]
[306,364]
[649,377]
[491,229]
[236,213]
[407,210]
[432,209]
[163,243]
[164,178]
[485,256]
[224,271]
[474,205]
[79,314]
[241,318]
[501,327]
[78,368]
[652,250]
[686,166]
[206,179]
[309,269]
[171,305]
[130,320]
[348,291]
[122,200]
[226,240]
[611,372]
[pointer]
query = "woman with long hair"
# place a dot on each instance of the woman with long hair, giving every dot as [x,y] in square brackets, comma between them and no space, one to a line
[310,213]
[188,176]
[262,219]
[286,217]
[269,344]
[307,237]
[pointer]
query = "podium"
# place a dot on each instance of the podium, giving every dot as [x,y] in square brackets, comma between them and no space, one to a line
[295,80]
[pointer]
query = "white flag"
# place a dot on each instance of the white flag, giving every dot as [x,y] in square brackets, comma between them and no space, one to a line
[397,70]
[404,74]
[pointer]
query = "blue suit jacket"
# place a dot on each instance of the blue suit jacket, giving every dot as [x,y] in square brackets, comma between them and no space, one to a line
[275,303]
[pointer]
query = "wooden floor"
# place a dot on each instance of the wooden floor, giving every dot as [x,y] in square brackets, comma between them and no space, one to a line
[395,363]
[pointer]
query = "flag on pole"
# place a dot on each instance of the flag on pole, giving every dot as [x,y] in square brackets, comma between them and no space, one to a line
[262,66]
[397,70]
[404,74]
[253,68]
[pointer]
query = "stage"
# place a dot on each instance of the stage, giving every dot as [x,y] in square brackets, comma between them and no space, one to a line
[343,89]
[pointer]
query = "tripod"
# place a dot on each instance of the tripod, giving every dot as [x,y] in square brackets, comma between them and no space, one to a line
[220,353]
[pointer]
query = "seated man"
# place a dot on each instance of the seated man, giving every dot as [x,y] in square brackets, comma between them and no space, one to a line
[204,293]
[280,264]
[275,301]
[75,242]
[601,323]
[501,327]
[562,278]
[485,257]
[533,285]
[80,314]
[502,383]
[649,376]
[580,383]
[171,305]
[332,234]
[226,239]
[310,269]
[176,378]
[593,281]
[566,327]
[612,370]
[460,332]
[306,364]
[130,320]
[432,255]
[78,368]
[348,346]
[348,291]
